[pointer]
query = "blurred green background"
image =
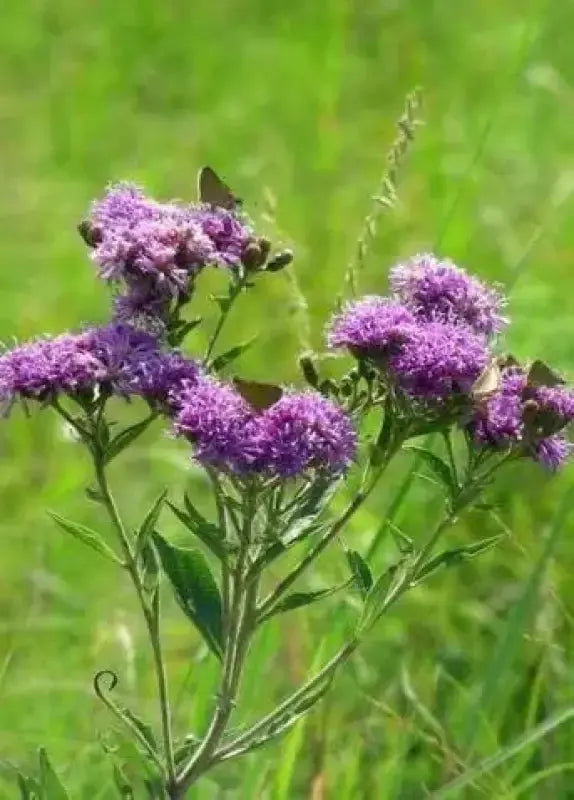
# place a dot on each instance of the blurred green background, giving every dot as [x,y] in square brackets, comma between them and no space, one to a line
[295,104]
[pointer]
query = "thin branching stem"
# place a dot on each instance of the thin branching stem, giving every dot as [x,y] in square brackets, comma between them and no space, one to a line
[150,613]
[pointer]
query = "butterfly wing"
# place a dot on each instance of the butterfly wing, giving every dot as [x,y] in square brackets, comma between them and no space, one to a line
[260,396]
[214,191]
[540,374]
[488,382]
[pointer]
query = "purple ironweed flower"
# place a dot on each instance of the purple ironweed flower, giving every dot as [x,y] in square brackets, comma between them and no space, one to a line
[300,432]
[438,359]
[160,376]
[157,248]
[305,431]
[426,359]
[218,422]
[530,417]
[552,452]
[439,290]
[74,364]
[371,325]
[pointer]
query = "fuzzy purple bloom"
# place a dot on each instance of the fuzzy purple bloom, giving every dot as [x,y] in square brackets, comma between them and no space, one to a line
[520,415]
[553,452]
[218,422]
[160,376]
[299,433]
[115,357]
[439,290]
[438,359]
[305,431]
[154,250]
[371,325]
[426,359]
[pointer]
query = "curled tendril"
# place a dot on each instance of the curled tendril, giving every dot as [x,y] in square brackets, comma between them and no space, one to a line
[99,677]
[105,681]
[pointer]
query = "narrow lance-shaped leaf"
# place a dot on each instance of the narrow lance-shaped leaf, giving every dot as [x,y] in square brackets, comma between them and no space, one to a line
[450,558]
[125,438]
[150,520]
[360,570]
[206,531]
[52,788]
[439,467]
[85,535]
[300,599]
[195,589]
[226,358]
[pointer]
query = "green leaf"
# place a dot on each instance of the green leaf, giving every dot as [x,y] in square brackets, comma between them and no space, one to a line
[51,786]
[379,591]
[450,558]
[502,755]
[382,444]
[226,358]
[223,301]
[29,788]
[150,520]
[300,599]
[361,572]
[142,727]
[206,532]
[85,535]
[125,438]
[439,467]
[195,589]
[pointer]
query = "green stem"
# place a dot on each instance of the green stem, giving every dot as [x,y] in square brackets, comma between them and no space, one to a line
[151,615]
[240,626]
[234,292]
[265,607]
[240,744]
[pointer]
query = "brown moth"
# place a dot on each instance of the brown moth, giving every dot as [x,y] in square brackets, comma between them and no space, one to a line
[540,374]
[260,396]
[214,191]
[488,382]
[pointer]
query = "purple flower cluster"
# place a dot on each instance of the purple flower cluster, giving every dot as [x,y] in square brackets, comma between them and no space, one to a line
[117,358]
[297,434]
[528,417]
[440,291]
[427,358]
[154,250]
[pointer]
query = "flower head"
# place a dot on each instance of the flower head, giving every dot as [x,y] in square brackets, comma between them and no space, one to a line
[305,431]
[439,290]
[370,325]
[299,433]
[76,363]
[438,359]
[526,416]
[217,421]
[154,250]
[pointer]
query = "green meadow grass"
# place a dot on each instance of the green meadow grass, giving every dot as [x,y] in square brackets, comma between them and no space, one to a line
[295,104]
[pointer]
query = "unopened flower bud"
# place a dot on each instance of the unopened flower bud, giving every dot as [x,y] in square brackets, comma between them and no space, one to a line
[251,256]
[91,234]
[309,371]
[279,261]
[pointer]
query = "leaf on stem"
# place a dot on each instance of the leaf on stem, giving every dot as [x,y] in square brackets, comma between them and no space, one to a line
[440,468]
[206,531]
[146,529]
[125,438]
[50,785]
[226,358]
[85,535]
[300,599]
[362,575]
[195,589]
[454,556]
